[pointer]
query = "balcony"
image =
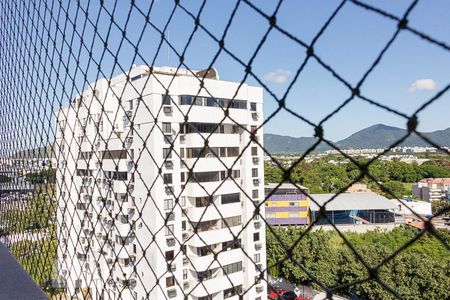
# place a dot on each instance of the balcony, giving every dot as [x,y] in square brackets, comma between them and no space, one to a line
[194,189]
[212,212]
[213,236]
[202,263]
[216,284]
[218,140]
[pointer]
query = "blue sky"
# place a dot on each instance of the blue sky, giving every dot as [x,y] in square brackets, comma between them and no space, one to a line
[410,73]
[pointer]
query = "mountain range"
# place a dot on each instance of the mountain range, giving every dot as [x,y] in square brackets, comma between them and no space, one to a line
[376,136]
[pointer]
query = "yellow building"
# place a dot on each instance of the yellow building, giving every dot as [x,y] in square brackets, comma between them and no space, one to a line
[287,204]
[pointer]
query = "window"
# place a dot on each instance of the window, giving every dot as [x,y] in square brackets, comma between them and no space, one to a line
[230,198]
[253,129]
[167,127]
[270,215]
[252,106]
[166,99]
[183,225]
[235,129]
[168,204]
[257,258]
[212,102]
[254,150]
[231,222]
[293,214]
[185,100]
[230,245]
[255,172]
[170,281]
[205,176]
[236,173]
[232,151]
[233,291]
[255,194]
[167,153]
[136,77]
[170,255]
[185,274]
[167,178]
[256,237]
[232,268]
[130,105]
[168,230]
[202,201]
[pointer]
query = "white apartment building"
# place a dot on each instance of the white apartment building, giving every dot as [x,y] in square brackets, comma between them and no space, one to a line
[136,220]
[431,189]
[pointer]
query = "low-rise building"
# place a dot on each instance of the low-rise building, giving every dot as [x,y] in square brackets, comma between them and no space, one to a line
[409,207]
[287,204]
[352,208]
[431,189]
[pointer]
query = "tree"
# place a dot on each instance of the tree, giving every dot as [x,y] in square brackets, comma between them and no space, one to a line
[4,179]
[44,176]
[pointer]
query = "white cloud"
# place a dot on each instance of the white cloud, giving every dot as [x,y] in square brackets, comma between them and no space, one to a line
[422,84]
[279,76]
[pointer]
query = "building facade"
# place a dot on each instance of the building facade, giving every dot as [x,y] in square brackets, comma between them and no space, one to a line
[286,205]
[156,177]
[431,189]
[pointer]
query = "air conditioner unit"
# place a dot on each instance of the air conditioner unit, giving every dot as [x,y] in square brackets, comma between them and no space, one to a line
[129,113]
[99,180]
[129,140]
[168,164]
[256,181]
[167,109]
[255,115]
[130,163]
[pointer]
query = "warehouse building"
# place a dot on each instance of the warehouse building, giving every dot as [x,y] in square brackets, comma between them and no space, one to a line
[353,208]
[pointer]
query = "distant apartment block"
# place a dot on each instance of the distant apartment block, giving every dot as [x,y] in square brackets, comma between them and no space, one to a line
[432,189]
[286,204]
[153,191]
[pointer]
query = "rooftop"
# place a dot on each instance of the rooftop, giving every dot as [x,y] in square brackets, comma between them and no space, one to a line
[435,180]
[285,186]
[351,201]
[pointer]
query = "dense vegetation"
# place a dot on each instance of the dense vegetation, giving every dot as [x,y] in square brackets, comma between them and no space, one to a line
[4,178]
[421,271]
[321,176]
[44,176]
[36,213]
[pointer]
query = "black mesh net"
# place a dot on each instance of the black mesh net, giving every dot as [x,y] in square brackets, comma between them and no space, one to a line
[124,180]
